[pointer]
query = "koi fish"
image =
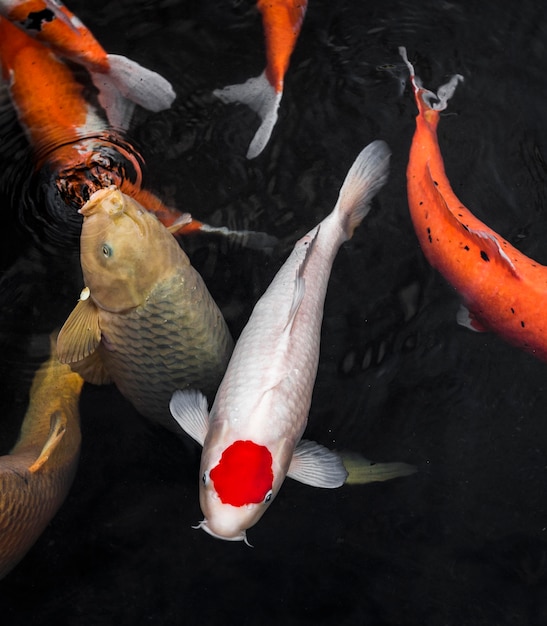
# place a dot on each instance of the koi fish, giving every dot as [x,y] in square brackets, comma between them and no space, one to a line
[37,474]
[252,437]
[282,20]
[145,319]
[119,80]
[503,290]
[75,149]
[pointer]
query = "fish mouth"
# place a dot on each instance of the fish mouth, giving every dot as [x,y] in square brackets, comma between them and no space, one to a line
[110,199]
[241,536]
[115,204]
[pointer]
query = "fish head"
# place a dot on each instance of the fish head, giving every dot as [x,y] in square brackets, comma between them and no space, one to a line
[237,488]
[124,250]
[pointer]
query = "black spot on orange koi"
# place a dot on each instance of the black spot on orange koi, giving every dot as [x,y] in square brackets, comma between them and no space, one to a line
[35,19]
[484,256]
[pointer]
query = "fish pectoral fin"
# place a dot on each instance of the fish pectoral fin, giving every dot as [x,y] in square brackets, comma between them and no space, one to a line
[467,319]
[362,471]
[56,432]
[81,334]
[315,465]
[92,369]
[189,408]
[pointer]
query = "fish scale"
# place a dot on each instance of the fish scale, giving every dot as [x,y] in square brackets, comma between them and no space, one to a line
[147,344]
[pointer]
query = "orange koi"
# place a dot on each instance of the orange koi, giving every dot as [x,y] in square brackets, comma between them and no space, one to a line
[72,142]
[282,20]
[122,83]
[503,290]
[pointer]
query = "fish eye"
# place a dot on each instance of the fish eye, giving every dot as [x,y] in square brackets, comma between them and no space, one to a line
[205,478]
[106,250]
[268,496]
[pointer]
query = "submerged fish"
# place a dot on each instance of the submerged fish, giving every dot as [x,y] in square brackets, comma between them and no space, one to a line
[503,290]
[252,437]
[282,21]
[145,319]
[76,151]
[37,474]
[116,77]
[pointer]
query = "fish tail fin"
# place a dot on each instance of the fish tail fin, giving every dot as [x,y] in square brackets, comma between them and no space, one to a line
[434,101]
[126,84]
[366,177]
[361,470]
[262,97]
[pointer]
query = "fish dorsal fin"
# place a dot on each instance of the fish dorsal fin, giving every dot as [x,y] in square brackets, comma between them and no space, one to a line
[492,250]
[56,432]
[189,408]
[489,244]
[299,282]
[81,334]
[315,465]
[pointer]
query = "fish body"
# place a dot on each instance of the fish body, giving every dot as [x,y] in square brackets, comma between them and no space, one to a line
[49,101]
[75,149]
[503,290]
[282,20]
[37,474]
[145,320]
[117,78]
[252,437]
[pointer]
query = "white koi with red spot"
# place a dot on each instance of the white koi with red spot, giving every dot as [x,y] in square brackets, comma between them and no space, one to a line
[252,437]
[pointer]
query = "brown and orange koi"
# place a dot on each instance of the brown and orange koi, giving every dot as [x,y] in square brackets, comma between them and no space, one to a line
[503,290]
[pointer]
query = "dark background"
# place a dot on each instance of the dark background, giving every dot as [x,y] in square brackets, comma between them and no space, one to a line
[463,541]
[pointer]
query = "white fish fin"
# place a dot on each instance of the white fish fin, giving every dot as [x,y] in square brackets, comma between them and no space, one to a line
[435,101]
[119,110]
[56,431]
[465,318]
[260,95]
[361,470]
[365,178]
[81,334]
[140,85]
[252,239]
[315,465]
[189,408]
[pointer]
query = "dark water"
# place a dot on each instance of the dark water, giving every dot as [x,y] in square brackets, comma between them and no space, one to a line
[464,541]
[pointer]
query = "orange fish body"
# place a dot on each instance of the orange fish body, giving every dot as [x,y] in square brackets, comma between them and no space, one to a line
[71,140]
[121,82]
[54,25]
[50,103]
[504,290]
[282,20]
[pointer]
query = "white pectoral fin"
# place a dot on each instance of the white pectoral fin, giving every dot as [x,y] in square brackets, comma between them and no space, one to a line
[315,465]
[361,470]
[189,408]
